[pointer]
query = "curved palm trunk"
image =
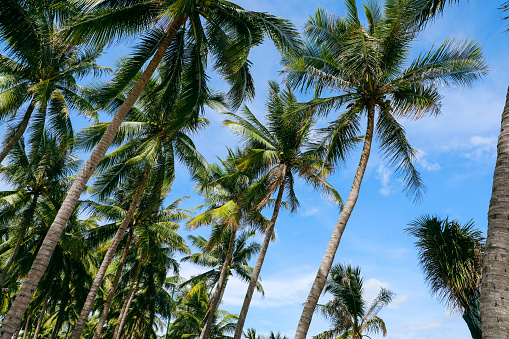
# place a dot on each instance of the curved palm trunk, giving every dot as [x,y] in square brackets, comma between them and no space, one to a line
[114,285]
[19,132]
[328,258]
[221,284]
[41,315]
[21,237]
[133,335]
[14,316]
[127,303]
[87,307]
[259,262]
[495,279]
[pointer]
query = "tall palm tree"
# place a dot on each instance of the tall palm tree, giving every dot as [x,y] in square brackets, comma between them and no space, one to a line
[347,312]
[156,131]
[40,70]
[277,152]
[368,71]
[228,209]
[451,257]
[172,29]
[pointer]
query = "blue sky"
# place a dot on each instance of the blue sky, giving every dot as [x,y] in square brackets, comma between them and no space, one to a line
[457,158]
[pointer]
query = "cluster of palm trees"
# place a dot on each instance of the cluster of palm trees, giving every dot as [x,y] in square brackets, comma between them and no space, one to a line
[92,252]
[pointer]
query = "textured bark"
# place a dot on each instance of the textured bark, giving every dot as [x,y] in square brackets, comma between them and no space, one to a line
[15,314]
[87,307]
[41,315]
[111,293]
[328,258]
[495,280]
[216,297]
[21,237]
[129,299]
[133,335]
[19,132]
[259,261]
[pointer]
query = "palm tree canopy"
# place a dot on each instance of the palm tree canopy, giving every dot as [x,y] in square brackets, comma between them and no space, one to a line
[348,312]
[366,68]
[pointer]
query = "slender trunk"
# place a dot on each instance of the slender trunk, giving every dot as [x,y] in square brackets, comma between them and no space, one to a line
[259,261]
[495,279]
[19,132]
[133,335]
[26,328]
[61,312]
[328,258]
[21,237]
[15,314]
[216,297]
[87,307]
[43,312]
[129,298]
[111,293]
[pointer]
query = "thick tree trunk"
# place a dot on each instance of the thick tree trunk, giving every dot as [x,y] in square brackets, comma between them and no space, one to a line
[215,300]
[111,293]
[129,299]
[328,258]
[42,314]
[21,237]
[495,279]
[87,307]
[19,132]
[259,261]
[14,316]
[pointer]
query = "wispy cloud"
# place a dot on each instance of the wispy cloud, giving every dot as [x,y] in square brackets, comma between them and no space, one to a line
[384,175]
[423,161]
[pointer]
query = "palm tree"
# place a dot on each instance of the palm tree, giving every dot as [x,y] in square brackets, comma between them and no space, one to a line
[167,28]
[368,67]
[155,133]
[277,152]
[451,257]
[347,310]
[39,172]
[40,70]
[224,189]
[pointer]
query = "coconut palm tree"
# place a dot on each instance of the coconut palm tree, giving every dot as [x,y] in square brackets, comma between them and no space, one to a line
[228,210]
[367,71]
[451,257]
[40,71]
[277,153]
[36,173]
[175,30]
[347,312]
[155,132]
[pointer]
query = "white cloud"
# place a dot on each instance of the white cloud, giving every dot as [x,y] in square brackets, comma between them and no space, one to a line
[398,301]
[481,146]
[372,287]
[384,175]
[313,210]
[425,164]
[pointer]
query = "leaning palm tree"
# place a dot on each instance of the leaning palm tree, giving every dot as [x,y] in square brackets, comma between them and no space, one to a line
[278,153]
[180,32]
[155,133]
[39,71]
[227,209]
[451,257]
[347,312]
[368,71]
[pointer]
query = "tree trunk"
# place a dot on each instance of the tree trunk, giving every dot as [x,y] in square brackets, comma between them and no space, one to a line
[87,307]
[495,279]
[21,237]
[15,314]
[26,328]
[259,261]
[328,258]
[133,335]
[111,293]
[43,312]
[129,298]
[216,297]
[19,132]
